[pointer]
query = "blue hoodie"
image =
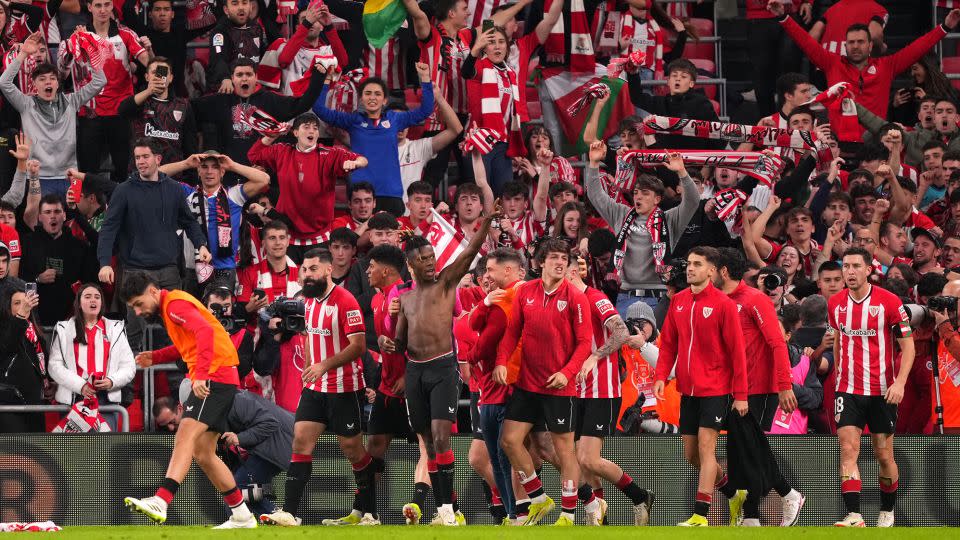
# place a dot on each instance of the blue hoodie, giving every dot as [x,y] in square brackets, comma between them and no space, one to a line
[143,218]
[377,141]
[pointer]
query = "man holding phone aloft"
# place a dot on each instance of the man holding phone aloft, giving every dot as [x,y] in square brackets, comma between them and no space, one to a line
[158,115]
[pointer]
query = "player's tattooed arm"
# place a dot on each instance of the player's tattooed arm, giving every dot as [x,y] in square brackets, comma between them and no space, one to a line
[619,333]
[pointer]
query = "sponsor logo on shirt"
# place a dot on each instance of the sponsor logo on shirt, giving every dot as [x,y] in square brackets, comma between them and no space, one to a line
[150,131]
[354,317]
[604,305]
[866,332]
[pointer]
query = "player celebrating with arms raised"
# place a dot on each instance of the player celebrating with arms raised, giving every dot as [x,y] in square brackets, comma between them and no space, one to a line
[868,319]
[211,358]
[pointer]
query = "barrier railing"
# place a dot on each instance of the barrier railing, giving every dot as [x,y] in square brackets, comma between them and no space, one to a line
[110,408]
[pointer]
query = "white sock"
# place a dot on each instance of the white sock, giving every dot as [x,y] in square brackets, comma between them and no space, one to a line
[793,495]
[447,507]
[539,498]
[753,522]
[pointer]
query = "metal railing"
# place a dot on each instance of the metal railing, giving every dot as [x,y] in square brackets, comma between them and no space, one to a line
[110,408]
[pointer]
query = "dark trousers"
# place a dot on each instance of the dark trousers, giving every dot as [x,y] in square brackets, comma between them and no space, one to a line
[110,133]
[491,420]
[772,53]
[499,167]
[393,205]
[436,168]
[256,470]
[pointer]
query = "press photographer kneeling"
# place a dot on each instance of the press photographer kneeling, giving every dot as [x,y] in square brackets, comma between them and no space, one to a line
[942,310]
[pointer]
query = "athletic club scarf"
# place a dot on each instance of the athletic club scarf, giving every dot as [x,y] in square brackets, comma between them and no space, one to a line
[495,81]
[344,92]
[591,93]
[479,140]
[34,338]
[729,204]
[582,59]
[618,65]
[659,241]
[89,48]
[763,167]
[200,13]
[735,133]
[36,526]
[265,277]
[88,364]
[83,417]
[838,101]
[224,225]
[263,123]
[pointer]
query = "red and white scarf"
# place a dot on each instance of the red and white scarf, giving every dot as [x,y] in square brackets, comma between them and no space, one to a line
[89,48]
[345,92]
[34,338]
[582,59]
[200,13]
[838,101]
[263,123]
[591,93]
[763,167]
[83,417]
[499,95]
[736,133]
[618,65]
[480,140]
[36,526]
[265,277]
[91,357]
[729,206]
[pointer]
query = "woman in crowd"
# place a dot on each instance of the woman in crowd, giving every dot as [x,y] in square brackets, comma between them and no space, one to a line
[542,155]
[571,225]
[22,354]
[90,355]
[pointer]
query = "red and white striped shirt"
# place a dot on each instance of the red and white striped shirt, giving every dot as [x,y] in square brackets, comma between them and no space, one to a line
[386,62]
[261,276]
[330,322]
[91,357]
[646,36]
[118,70]
[866,333]
[604,380]
[527,227]
[842,15]
[445,56]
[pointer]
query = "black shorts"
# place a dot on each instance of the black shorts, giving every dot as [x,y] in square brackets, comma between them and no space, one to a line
[597,417]
[475,416]
[703,412]
[559,413]
[433,390]
[763,407]
[341,413]
[389,417]
[213,409]
[859,411]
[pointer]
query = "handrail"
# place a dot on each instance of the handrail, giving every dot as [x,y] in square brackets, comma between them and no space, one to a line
[124,415]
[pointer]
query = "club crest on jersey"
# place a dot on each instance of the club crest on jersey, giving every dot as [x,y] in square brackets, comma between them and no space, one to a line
[707,311]
[328,310]
[561,305]
[874,310]
[354,317]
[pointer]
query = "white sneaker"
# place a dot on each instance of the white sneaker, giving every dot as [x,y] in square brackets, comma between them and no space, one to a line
[750,522]
[368,519]
[792,504]
[594,517]
[885,519]
[154,507]
[244,522]
[447,516]
[853,519]
[281,518]
[641,512]
[436,520]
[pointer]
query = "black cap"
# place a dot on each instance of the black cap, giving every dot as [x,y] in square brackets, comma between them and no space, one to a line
[917,232]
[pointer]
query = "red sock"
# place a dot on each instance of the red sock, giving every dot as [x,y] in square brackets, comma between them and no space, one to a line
[445,458]
[233,498]
[623,482]
[532,485]
[704,497]
[888,488]
[495,499]
[852,484]
[431,466]
[165,494]
[722,482]
[301,458]
[363,463]
[568,500]
[598,492]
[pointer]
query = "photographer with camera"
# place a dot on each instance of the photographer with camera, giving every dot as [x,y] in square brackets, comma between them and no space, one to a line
[772,281]
[640,410]
[915,413]
[279,353]
[947,366]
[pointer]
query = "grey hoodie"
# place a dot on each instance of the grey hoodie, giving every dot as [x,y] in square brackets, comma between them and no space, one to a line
[51,126]
[639,269]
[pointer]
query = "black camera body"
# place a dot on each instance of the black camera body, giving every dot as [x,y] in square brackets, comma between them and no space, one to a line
[942,303]
[772,281]
[230,323]
[291,312]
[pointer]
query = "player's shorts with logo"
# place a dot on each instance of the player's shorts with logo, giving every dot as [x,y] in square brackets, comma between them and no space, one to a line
[703,412]
[597,417]
[559,413]
[859,411]
[340,412]
[433,391]
[389,417]
[213,409]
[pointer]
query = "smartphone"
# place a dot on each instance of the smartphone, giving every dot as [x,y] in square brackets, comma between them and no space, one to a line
[259,293]
[31,287]
[487,25]
[161,71]
[76,189]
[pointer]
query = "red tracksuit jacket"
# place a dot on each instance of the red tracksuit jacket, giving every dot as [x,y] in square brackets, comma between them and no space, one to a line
[768,363]
[557,334]
[702,337]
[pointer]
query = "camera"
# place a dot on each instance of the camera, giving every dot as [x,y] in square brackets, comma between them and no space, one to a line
[942,303]
[291,313]
[919,314]
[231,323]
[772,281]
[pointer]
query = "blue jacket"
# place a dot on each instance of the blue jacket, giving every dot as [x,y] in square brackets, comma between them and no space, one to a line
[377,141]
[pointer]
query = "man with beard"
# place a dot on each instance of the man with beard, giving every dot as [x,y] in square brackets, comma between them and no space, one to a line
[362,200]
[926,251]
[333,387]
[423,332]
[769,382]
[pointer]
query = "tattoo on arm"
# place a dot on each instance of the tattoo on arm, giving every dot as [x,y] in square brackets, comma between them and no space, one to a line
[34,188]
[618,336]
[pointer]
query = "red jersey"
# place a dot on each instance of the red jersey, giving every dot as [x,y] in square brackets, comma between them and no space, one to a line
[604,380]
[527,228]
[330,322]
[11,238]
[871,85]
[262,276]
[757,9]
[491,323]
[867,335]
[288,377]
[842,15]
[118,69]
[392,365]
[306,181]
[445,55]
[558,318]
[768,364]
[465,338]
[386,62]
[702,336]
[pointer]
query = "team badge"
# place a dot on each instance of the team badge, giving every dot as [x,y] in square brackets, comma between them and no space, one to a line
[328,310]
[874,310]
[561,305]
[707,311]
[385,124]
[177,115]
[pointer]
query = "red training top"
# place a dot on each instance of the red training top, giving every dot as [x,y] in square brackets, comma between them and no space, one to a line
[768,366]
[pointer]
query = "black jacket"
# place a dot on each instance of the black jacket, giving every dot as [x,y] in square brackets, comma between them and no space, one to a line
[20,374]
[693,104]
[72,261]
[263,428]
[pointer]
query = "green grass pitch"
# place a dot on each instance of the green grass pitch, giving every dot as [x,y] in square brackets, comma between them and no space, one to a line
[487,532]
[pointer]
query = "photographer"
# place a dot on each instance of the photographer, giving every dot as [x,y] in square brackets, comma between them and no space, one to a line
[279,353]
[772,281]
[914,415]
[948,354]
[640,411]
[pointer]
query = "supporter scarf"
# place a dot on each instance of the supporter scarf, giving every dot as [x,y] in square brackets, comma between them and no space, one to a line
[37,526]
[838,101]
[657,227]
[200,14]
[735,133]
[89,48]
[83,417]
[480,140]
[591,93]
[582,58]
[265,277]
[224,226]
[344,92]
[87,366]
[263,123]
[561,170]
[618,65]
[729,204]
[494,82]
[34,338]
[763,167]
[606,25]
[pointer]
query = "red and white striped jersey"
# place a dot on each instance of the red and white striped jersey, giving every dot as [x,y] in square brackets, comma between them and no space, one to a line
[330,321]
[646,36]
[677,10]
[948,4]
[604,380]
[842,15]
[780,121]
[527,227]
[386,62]
[91,357]
[482,9]
[867,330]
[445,55]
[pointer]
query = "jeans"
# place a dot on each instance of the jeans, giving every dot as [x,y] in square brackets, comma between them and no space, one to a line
[491,420]
[256,470]
[499,168]
[624,301]
[55,185]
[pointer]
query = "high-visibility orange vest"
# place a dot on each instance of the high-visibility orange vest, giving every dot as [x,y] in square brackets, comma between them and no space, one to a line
[506,304]
[224,353]
[639,374]
[949,392]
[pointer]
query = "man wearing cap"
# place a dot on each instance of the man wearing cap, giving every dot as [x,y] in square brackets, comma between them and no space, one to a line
[219,210]
[4,263]
[926,251]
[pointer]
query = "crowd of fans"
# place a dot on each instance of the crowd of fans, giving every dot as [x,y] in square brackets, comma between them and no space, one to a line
[216,166]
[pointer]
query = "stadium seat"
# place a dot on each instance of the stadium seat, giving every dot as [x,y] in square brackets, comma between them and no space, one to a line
[716,106]
[705,66]
[951,65]
[534,110]
[704,27]
[709,89]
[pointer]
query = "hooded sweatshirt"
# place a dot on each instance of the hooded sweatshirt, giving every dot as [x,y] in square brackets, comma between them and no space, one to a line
[51,125]
[142,219]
